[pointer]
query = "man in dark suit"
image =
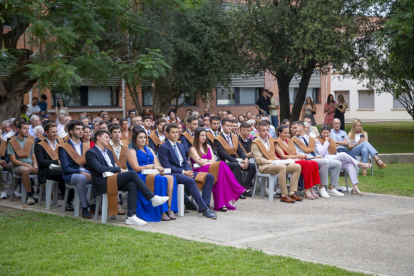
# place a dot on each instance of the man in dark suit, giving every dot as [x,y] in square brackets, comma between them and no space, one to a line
[76,173]
[46,156]
[187,136]
[172,155]
[227,146]
[158,136]
[101,160]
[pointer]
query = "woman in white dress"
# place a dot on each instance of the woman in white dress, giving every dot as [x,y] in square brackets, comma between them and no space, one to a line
[326,147]
[61,109]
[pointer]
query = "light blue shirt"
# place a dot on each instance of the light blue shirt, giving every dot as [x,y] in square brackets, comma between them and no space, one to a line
[272,132]
[105,156]
[339,136]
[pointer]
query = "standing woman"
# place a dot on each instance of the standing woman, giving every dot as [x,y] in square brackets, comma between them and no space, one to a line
[227,190]
[308,109]
[124,126]
[361,147]
[61,108]
[140,157]
[340,110]
[285,149]
[329,110]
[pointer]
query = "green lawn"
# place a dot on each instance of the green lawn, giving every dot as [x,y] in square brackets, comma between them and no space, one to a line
[396,179]
[41,244]
[391,137]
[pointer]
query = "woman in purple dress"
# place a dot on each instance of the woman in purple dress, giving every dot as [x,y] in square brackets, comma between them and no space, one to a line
[226,190]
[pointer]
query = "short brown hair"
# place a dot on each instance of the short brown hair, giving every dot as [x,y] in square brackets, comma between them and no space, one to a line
[49,125]
[170,126]
[113,127]
[99,133]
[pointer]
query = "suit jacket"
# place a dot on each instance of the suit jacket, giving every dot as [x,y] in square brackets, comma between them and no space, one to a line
[168,159]
[43,161]
[261,160]
[97,166]
[187,145]
[223,155]
[151,143]
[69,166]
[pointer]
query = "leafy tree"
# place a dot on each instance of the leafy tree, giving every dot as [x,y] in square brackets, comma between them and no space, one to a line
[390,69]
[298,37]
[63,42]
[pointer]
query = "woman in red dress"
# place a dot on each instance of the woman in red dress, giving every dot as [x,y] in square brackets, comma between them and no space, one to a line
[285,149]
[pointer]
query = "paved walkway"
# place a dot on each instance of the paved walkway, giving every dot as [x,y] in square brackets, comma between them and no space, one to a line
[373,233]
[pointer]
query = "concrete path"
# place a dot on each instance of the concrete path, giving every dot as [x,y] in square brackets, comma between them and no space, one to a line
[371,233]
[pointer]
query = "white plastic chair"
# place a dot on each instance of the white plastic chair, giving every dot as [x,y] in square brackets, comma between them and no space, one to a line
[76,199]
[359,159]
[51,188]
[24,192]
[8,177]
[273,179]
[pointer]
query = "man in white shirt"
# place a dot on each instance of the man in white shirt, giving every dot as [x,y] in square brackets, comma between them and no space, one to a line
[303,144]
[33,108]
[34,122]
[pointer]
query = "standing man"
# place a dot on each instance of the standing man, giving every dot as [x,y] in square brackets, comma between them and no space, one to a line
[273,110]
[21,153]
[33,108]
[74,168]
[340,137]
[227,147]
[156,138]
[43,104]
[263,103]
[172,155]
[263,150]
[187,136]
[306,145]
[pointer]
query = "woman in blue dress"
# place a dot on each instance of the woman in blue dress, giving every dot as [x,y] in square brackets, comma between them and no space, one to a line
[140,157]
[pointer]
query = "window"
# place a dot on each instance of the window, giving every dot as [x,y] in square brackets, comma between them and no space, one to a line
[237,95]
[346,97]
[366,99]
[314,93]
[397,104]
[147,98]
[88,96]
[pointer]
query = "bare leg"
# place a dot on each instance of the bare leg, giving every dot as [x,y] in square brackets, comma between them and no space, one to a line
[25,172]
[170,189]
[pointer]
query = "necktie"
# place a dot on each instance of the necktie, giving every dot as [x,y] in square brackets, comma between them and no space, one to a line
[306,143]
[176,153]
[215,134]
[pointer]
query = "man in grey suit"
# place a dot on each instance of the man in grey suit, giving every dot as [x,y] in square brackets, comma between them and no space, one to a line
[302,144]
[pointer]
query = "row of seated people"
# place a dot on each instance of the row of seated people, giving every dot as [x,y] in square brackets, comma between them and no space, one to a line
[355,143]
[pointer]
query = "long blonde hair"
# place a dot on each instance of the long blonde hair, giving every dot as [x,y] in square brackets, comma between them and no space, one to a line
[352,133]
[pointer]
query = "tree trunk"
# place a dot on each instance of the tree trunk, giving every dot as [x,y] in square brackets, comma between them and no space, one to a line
[301,96]
[283,81]
[161,96]
[10,106]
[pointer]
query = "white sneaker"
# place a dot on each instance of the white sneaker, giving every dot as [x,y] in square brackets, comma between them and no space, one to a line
[278,192]
[135,220]
[323,193]
[17,194]
[158,200]
[3,195]
[334,192]
[267,192]
[30,201]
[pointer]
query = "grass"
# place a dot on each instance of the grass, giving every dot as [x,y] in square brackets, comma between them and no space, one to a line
[390,137]
[41,244]
[396,179]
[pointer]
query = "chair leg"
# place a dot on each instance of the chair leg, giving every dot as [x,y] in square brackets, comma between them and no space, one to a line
[55,192]
[49,186]
[180,199]
[255,185]
[65,200]
[263,186]
[104,208]
[271,187]
[97,206]
[76,204]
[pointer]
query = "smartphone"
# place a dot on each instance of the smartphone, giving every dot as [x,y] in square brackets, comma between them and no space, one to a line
[343,137]
[361,136]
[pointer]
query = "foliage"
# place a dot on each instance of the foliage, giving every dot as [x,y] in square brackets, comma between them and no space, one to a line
[71,246]
[390,69]
[298,37]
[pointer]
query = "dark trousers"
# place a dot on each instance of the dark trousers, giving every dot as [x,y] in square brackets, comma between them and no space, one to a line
[346,151]
[237,170]
[191,185]
[130,182]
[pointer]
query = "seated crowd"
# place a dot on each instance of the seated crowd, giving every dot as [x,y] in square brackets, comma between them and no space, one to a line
[216,154]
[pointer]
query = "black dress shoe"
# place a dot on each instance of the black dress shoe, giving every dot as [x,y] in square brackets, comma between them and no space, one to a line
[242,196]
[190,206]
[69,207]
[202,211]
[249,194]
[92,209]
[209,214]
[120,200]
[86,214]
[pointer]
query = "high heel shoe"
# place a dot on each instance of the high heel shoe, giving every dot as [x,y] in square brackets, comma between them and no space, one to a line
[355,192]
[381,165]
[315,196]
[308,197]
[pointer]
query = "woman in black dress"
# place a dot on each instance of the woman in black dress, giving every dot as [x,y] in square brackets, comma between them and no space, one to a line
[340,110]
